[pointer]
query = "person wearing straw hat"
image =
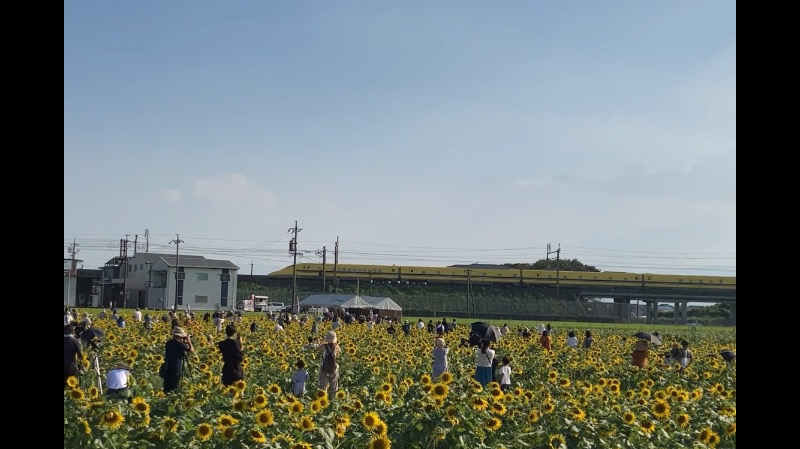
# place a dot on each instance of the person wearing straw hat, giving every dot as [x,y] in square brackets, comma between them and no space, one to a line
[174,351]
[118,382]
[639,354]
[329,377]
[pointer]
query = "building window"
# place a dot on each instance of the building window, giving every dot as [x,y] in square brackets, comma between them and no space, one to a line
[141,266]
[202,276]
[201,299]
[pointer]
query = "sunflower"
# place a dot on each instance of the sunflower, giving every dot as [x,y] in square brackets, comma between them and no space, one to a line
[713,439]
[730,430]
[478,403]
[493,424]
[260,400]
[576,414]
[381,428]
[498,408]
[445,377]
[340,394]
[370,420]
[549,407]
[324,402]
[386,387]
[557,440]
[424,379]
[300,446]
[169,424]
[342,420]
[224,421]
[113,420]
[93,392]
[451,412]
[628,418]
[380,442]
[141,405]
[296,408]
[274,389]
[141,422]
[321,394]
[228,433]
[76,393]
[357,404]
[87,429]
[528,394]
[306,423]
[265,418]
[704,435]
[72,381]
[316,407]
[231,391]
[257,436]
[204,431]
[660,409]
[682,420]
[339,431]
[563,382]
[188,403]
[439,390]
[239,406]
[647,426]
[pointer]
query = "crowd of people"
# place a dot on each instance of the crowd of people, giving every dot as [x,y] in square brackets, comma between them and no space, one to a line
[80,335]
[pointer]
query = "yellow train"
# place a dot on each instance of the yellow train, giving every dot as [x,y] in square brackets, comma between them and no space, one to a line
[501,276]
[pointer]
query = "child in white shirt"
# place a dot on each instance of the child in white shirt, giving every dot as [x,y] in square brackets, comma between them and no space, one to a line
[504,375]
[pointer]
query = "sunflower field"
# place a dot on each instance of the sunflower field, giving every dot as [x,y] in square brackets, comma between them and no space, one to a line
[564,398]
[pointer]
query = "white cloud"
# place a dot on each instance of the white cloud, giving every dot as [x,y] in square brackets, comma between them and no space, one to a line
[231,189]
[171,195]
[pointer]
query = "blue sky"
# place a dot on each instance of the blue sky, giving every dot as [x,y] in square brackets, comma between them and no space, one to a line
[418,132]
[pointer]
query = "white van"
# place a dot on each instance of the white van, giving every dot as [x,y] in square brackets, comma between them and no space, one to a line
[269,306]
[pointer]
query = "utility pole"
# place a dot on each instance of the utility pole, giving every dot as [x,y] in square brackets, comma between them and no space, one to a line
[251,268]
[73,250]
[124,293]
[135,244]
[470,297]
[558,268]
[322,253]
[293,250]
[335,263]
[177,241]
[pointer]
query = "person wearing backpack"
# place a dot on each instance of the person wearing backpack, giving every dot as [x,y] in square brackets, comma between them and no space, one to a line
[329,369]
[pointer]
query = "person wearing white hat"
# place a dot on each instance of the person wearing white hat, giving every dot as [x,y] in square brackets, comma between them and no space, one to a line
[329,368]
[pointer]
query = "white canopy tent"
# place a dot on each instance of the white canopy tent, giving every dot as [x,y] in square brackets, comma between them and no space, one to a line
[385,305]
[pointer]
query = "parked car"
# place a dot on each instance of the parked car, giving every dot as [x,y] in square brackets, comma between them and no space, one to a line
[269,306]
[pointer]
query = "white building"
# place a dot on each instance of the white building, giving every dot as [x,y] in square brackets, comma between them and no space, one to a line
[203,284]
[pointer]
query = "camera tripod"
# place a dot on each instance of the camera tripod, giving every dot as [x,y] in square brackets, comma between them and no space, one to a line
[95,366]
[186,367]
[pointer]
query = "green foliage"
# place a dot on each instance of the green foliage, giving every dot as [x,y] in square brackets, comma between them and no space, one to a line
[553,264]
